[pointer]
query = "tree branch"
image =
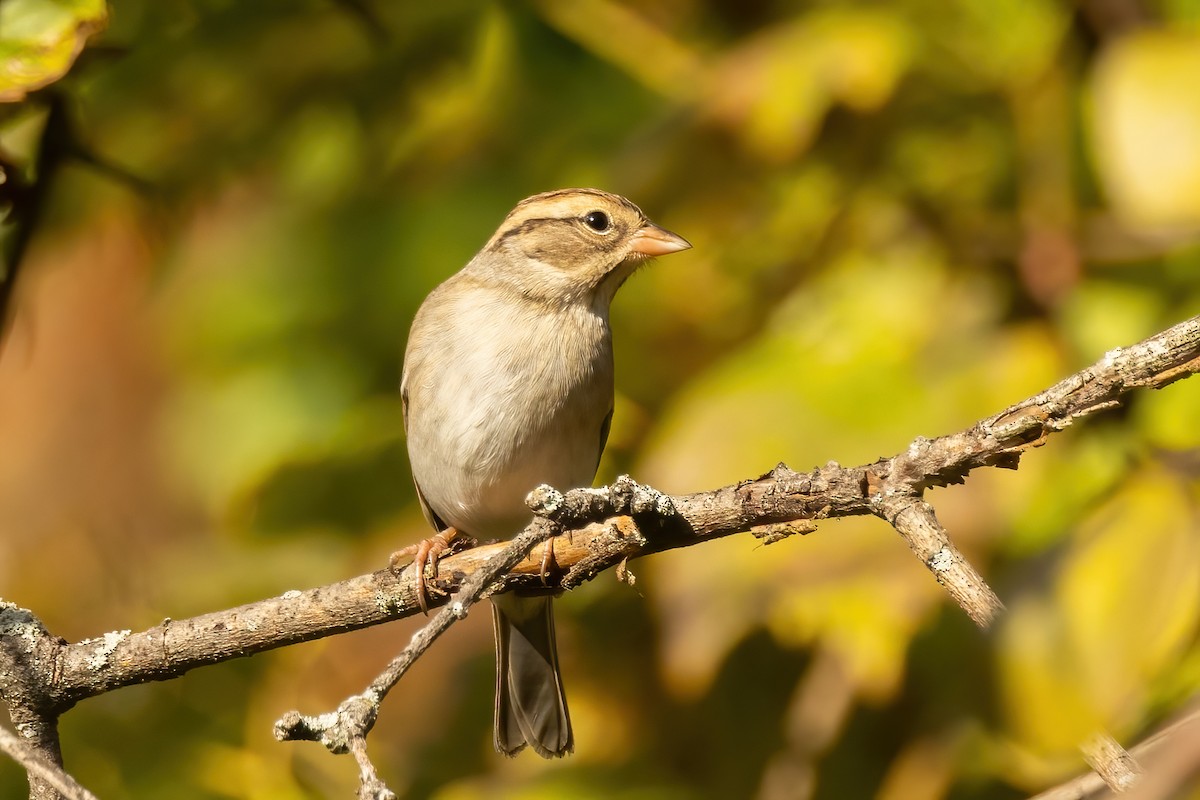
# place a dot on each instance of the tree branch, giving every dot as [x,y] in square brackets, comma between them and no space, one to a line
[28,654]
[41,676]
[914,519]
[883,488]
[41,768]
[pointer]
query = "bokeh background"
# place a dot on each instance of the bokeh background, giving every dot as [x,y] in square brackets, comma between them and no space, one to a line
[906,216]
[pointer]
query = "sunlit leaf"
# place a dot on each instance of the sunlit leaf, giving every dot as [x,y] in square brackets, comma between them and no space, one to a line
[1043,702]
[774,90]
[40,40]
[1130,592]
[1125,607]
[1145,124]
[1171,420]
[620,35]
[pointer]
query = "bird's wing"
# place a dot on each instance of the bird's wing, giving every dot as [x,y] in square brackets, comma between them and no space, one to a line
[604,429]
[430,516]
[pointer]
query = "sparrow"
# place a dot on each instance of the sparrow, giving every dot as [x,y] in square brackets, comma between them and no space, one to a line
[508,384]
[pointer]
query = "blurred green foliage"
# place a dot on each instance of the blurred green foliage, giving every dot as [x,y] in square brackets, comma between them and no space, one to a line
[905,216]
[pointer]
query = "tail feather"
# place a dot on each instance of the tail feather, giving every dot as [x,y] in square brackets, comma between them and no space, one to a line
[531,706]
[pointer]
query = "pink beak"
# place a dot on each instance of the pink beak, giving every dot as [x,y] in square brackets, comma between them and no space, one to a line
[655,241]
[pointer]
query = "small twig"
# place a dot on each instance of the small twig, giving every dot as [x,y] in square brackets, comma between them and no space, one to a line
[914,519]
[37,765]
[1113,763]
[370,785]
[346,729]
[1152,769]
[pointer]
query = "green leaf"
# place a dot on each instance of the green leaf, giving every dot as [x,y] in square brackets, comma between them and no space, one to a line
[40,40]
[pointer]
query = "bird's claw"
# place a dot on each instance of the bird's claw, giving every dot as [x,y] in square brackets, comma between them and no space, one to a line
[547,561]
[425,555]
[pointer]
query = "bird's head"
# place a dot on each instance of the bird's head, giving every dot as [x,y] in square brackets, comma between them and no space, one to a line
[575,245]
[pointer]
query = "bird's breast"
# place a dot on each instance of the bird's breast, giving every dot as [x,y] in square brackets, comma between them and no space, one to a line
[515,396]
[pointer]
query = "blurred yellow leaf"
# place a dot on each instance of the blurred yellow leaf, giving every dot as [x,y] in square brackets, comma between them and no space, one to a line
[1171,419]
[852,587]
[923,769]
[235,771]
[774,90]
[40,39]
[864,604]
[1044,701]
[1124,609]
[624,38]
[1130,592]
[1145,124]
[1101,315]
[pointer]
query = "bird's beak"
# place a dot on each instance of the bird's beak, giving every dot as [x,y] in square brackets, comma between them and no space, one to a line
[655,241]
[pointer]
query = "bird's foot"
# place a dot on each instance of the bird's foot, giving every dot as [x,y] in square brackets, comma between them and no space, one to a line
[548,561]
[425,555]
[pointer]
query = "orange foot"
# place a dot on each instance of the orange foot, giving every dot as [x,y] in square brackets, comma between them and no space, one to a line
[425,555]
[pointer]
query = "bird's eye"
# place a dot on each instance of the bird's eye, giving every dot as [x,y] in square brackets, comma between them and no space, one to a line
[597,221]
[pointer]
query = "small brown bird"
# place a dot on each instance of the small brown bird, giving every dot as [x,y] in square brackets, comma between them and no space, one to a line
[508,383]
